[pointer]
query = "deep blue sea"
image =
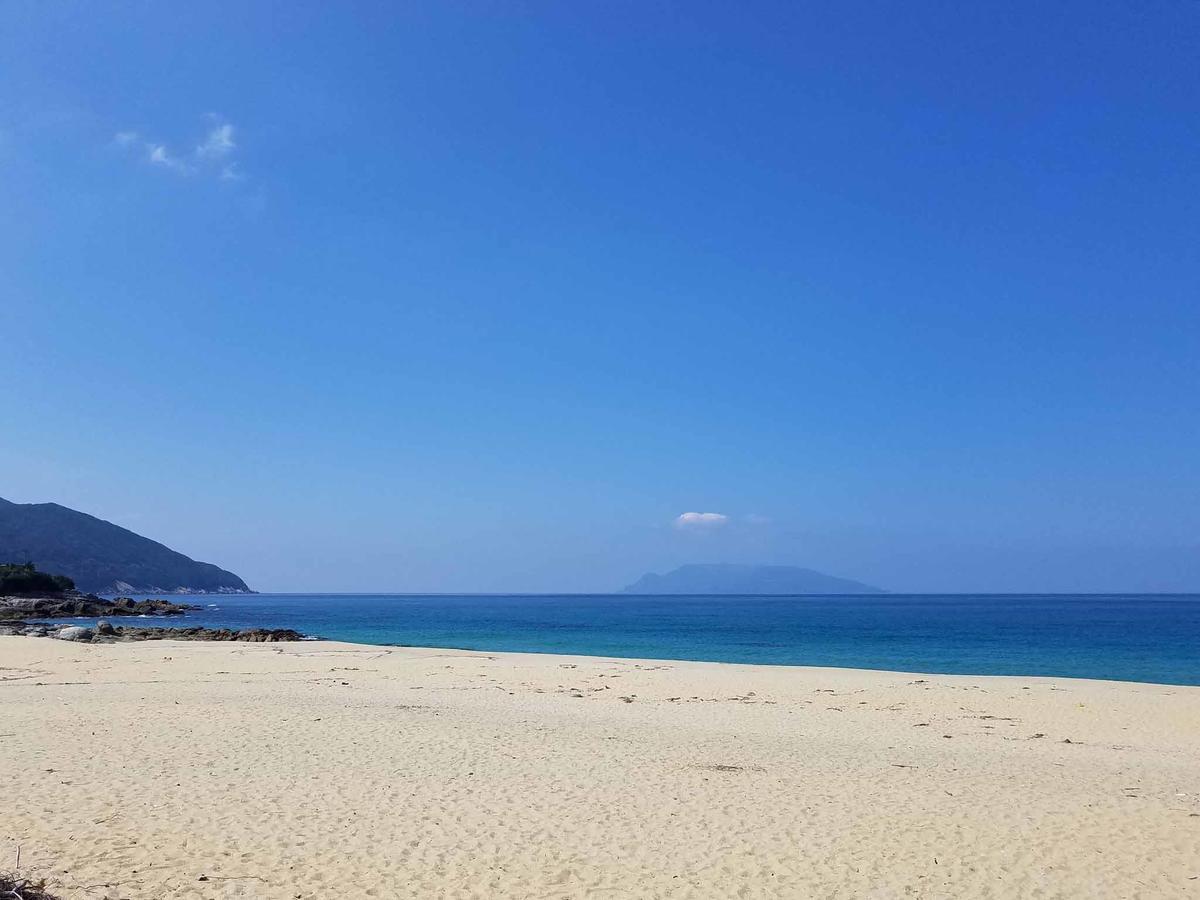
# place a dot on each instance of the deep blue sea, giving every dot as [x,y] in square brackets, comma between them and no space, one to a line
[1125,637]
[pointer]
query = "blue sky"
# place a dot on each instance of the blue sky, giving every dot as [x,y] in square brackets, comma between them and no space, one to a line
[485,296]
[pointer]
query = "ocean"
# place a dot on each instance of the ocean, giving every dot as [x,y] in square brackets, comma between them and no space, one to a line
[1126,637]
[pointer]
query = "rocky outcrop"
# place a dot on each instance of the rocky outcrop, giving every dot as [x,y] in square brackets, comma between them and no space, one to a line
[72,604]
[107,633]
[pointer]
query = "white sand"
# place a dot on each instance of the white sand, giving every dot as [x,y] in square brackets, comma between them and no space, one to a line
[335,770]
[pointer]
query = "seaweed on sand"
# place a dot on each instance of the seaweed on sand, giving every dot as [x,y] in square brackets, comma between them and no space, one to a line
[13,887]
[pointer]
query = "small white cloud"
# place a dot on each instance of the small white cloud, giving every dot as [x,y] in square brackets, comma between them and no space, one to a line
[218,143]
[211,157]
[160,156]
[693,521]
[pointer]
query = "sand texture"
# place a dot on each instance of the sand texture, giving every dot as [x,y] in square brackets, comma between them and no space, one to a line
[322,770]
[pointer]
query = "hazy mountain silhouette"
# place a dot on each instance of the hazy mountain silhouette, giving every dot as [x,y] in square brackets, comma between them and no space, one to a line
[100,556]
[734,579]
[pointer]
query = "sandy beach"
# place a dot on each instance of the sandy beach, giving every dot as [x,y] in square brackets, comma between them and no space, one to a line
[320,769]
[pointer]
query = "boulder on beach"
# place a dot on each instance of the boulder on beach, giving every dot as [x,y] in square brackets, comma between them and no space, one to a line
[75,633]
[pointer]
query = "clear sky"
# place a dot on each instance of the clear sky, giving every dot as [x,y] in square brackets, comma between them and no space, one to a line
[484,296]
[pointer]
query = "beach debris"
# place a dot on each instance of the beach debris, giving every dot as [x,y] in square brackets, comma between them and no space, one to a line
[11,885]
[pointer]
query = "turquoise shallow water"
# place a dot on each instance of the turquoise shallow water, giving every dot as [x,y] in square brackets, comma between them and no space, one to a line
[1128,637]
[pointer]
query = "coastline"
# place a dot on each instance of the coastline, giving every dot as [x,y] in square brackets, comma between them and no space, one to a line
[282,770]
[1145,639]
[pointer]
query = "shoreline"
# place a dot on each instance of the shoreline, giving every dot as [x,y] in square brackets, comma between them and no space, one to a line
[915,673]
[161,637]
[285,770]
[1119,638]
[160,634]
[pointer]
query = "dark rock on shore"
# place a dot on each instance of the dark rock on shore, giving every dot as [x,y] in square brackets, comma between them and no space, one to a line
[107,633]
[75,633]
[73,604]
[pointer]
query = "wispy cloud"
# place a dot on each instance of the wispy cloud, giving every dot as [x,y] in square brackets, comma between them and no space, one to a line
[212,156]
[159,155]
[218,143]
[700,521]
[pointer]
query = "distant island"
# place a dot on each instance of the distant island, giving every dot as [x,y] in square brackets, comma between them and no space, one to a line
[100,557]
[735,579]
